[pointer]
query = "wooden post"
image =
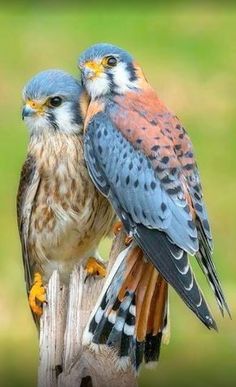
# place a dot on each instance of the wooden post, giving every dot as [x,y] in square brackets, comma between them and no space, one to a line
[63,361]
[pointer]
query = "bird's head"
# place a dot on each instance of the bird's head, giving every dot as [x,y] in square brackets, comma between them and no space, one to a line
[107,69]
[51,102]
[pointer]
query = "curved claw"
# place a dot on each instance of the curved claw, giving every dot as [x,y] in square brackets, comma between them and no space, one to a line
[37,295]
[95,268]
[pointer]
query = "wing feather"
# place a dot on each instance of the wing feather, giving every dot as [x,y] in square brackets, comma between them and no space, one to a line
[28,186]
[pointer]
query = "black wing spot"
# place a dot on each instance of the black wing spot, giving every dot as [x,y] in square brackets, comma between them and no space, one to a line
[124,155]
[153,185]
[136,183]
[139,140]
[166,180]
[99,149]
[206,224]
[198,207]
[144,215]
[99,134]
[131,166]
[187,209]
[173,171]
[191,224]
[158,169]
[174,191]
[127,180]
[163,207]
[151,157]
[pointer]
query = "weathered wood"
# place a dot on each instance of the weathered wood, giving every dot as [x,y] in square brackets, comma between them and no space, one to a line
[64,362]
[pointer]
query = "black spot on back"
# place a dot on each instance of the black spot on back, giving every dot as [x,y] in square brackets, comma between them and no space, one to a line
[153,122]
[155,148]
[165,159]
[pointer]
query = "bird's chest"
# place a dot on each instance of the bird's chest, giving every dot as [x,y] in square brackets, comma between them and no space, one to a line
[64,208]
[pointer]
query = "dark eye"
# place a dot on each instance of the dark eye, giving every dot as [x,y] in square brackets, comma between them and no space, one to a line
[111,61]
[54,101]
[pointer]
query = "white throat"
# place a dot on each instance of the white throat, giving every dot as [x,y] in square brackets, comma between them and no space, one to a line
[62,117]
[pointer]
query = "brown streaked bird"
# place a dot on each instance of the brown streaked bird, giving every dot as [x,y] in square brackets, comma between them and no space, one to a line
[141,158]
[61,216]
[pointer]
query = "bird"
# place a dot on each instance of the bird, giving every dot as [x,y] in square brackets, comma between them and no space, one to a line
[141,159]
[61,215]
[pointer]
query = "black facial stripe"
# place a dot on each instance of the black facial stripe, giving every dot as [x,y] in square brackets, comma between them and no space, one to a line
[132,72]
[77,118]
[52,119]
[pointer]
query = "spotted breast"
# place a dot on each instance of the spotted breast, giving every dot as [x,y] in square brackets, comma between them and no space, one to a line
[69,217]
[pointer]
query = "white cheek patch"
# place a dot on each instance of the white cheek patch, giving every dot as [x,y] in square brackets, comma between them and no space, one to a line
[121,79]
[102,85]
[98,87]
[64,119]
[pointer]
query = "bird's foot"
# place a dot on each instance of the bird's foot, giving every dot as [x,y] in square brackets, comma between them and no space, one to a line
[117,227]
[37,295]
[128,240]
[94,268]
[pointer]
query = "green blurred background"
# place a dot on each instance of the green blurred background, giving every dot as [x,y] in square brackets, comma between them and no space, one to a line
[188,53]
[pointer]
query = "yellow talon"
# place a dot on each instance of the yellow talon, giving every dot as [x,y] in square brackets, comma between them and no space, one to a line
[37,295]
[117,227]
[95,268]
[128,240]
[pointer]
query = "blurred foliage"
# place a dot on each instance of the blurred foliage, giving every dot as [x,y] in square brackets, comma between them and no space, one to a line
[188,53]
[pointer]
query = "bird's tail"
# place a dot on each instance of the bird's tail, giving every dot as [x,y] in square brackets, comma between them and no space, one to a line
[131,314]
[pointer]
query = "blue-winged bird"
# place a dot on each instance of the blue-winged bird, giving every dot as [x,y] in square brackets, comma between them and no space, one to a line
[141,159]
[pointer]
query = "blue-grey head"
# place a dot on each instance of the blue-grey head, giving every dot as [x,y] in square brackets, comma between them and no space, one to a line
[51,102]
[107,69]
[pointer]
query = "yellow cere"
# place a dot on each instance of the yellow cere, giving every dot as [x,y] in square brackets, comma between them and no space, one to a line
[38,106]
[95,66]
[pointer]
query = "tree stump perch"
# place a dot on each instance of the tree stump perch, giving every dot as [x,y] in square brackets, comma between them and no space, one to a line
[63,361]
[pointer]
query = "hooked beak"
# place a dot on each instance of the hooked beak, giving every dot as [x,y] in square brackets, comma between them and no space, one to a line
[28,111]
[91,70]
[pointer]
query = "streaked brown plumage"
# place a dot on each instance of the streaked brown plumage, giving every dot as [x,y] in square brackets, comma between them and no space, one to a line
[68,216]
[61,216]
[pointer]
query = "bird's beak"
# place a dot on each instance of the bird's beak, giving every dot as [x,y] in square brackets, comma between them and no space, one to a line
[28,111]
[92,70]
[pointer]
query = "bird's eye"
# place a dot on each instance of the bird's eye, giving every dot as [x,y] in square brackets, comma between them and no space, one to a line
[110,61]
[54,101]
